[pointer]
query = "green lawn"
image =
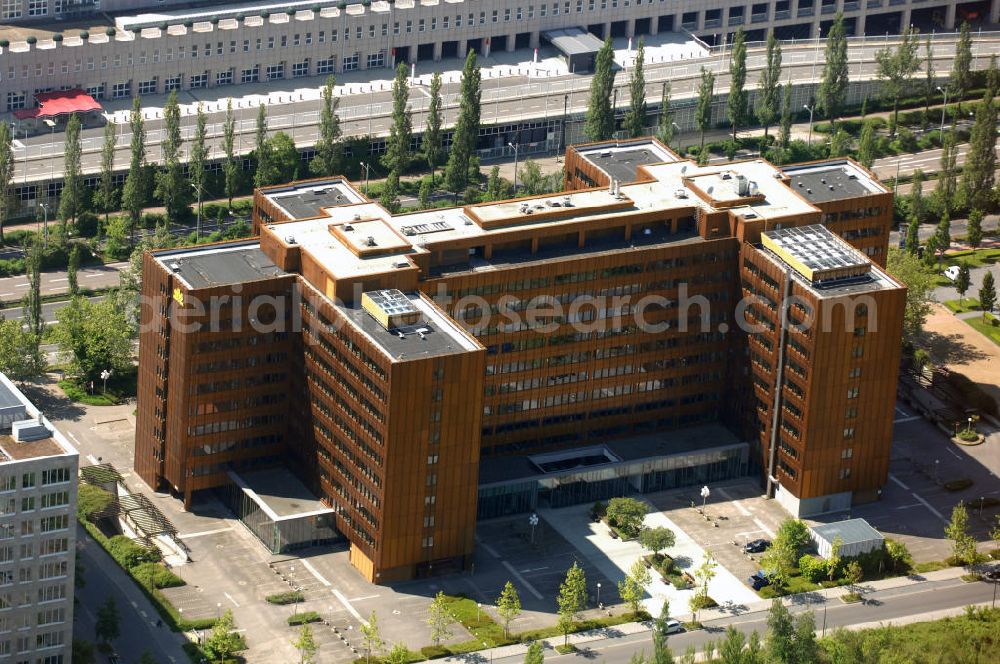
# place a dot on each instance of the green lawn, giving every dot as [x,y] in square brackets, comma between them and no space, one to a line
[962,305]
[974,257]
[987,327]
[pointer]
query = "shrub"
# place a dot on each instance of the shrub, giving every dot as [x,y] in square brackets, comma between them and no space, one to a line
[87,224]
[11,266]
[129,554]
[92,501]
[289,597]
[626,515]
[812,568]
[153,219]
[899,556]
[433,652]
[304,618]
[156,575]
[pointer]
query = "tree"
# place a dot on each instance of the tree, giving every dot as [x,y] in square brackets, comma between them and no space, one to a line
[134,191]
[440,619]
[72,267]
[795,533]
[779,562]
[572,599]
[912,244]
[107,192]
[706,572]
[661,651]
[736,103]
[327,159]
[83,652]
[6,173]
[786,117]
[942,236]
[389,199]
[918,207]
[262,158]
[599,122]
[960,79]
[840,143]
[919,284]
[224,641]
[306,645]
[634,122]
[963,545]
[20,357]
[975,228]
[979,171]
[946,173]
[633,587]
[804,644]
[466,133]
[731,647]
[196,164]
[853,574]
[754,653]
[424,194]
[626,514]
[703,112]
[769,88]
[371,637]
[833,560]
[832,91]
[535,653]
[780,638]
[902,561]
[987,294]
[496,187]
[32,301]
[171,186]
[896,68]
[665,124]
[508,606]
[92,336]
[71,199]
[866,144]
[433,138]
[656,539]
[230,167]
[281,163]
[398,654]
[397,147]
[108,625]
[963,281]
[929,83]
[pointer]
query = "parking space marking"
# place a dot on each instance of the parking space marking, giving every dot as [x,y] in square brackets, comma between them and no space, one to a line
[92,459]
[907,419]
[906,507]
[760,524]
[898,481]
[230,598]
[358,599]
[742,510]
[203,533]
[954,453]
[319,577]
[490,550]
[524,582]
[347,604]
[902,412]
[931,508]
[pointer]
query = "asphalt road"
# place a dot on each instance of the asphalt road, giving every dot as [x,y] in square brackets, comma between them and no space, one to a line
[881,606]
[49,310]
[927,161]
[367,111]
[12,289]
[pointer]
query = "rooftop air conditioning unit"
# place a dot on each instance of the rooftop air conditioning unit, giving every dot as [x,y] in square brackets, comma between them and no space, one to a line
[290,239]
[369,241]
[408,230]
[348,227]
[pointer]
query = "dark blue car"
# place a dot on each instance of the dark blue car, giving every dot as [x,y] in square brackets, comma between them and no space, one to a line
[758,580]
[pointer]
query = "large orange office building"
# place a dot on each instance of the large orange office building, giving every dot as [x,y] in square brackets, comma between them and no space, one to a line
[658,324]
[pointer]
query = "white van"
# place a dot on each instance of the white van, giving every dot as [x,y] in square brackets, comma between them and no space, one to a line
[951,272]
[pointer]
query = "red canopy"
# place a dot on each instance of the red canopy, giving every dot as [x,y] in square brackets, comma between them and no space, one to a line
[62,102]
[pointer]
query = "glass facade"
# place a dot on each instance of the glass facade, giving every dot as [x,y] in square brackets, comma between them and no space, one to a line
[642,475]
[283,534]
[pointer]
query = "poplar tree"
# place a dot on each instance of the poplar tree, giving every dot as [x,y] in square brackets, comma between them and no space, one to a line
[397,147]
[979,172]
[107,193]
[913,237]
[6,172]
[634,122]
[929,86]
[432,141]
[946,173]
[262,150]
[72,267]
[572,599]
[196,165]
[230,167]
[327,159]
[785,137]
[134,191]
[737,101]
[466,134]
[768,101]
[71,198]
[896,68]
[866,144]
[960,80]
[832,92]
[31,304]
[170,182]
[975,229]
[703,112]
[987,293]
[917,204]
[665,126]
[599,123]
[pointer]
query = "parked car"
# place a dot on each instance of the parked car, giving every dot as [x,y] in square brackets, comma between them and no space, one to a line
[951,272]
[758,580]
[671,626]
[757,546]
[992,575]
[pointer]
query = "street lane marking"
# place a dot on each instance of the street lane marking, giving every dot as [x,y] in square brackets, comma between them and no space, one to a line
[931,508]
[319,577]
[203,533]
[230,598]
[898,481]
[533,569]
[347,604]
[524,582]
[52,281]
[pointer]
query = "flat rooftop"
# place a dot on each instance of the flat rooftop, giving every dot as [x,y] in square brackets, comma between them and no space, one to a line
[308,199]
[205,12]
[11,450]
[815,252]
[621,162]
[832,181]
[434,334]
[851,531]
[222,265]
[280,493]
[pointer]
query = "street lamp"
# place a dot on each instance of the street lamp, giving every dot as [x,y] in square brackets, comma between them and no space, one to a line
[104,376]
[598,594]
[705,493]
[479,611]
[533,521]
[810,109]
[197,228]
[943,91]
[515,147]
[45,224]
[678,128]
[937,464]
[367,168]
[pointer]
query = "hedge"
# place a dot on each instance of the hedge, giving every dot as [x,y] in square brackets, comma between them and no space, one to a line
[290,597]
[156,575]
[303,618]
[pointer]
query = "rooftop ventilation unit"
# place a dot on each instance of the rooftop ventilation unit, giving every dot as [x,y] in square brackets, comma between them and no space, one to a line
[319,192]
[567,202]
[681,193]
[357,217]
[390,307]
[348,227]
[742,185]
[290,239]
[401,264]
[175,267]
[407,230]
[370,241]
